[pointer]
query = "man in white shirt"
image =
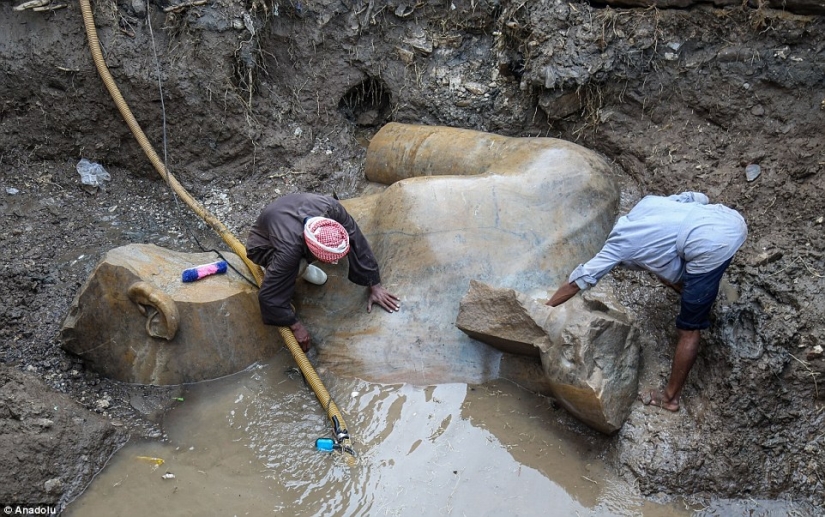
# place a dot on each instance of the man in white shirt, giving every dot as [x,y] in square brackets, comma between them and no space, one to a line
[688,244]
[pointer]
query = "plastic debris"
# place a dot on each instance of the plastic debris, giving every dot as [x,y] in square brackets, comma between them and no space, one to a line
[150,459]
[325,444]
[168,475]
[91,173]
[196,273]
[12,191]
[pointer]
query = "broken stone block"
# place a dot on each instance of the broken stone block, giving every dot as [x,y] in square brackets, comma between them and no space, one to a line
[498,317]
[588,346]
[135,320]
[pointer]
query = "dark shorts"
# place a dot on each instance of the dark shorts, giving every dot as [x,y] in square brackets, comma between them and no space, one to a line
[698,294]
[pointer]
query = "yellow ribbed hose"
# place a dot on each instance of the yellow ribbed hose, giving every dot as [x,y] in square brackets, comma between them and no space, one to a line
[320,391]
[239,249]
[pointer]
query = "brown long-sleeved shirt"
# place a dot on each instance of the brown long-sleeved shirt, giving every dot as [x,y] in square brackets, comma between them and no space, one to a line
[276,242]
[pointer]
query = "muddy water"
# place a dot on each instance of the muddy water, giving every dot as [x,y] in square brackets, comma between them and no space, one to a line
[245,445]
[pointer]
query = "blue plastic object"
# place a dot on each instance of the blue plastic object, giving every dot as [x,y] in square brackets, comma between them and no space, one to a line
[325,444]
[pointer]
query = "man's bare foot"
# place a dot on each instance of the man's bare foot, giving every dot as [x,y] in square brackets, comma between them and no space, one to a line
[658,399]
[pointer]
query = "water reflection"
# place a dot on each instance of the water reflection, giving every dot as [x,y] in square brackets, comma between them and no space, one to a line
[244,445]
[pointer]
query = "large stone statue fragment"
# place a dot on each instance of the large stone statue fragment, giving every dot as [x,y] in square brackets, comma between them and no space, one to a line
[134,319]
[452,206]
[588,346]
[516,213]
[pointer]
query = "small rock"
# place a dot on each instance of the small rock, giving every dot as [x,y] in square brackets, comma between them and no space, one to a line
[767,257]
[752,171]
[814,353]
[45,423]
[419,41]
[405,55]
[475,88]
[819,220]
[53,486]
[102,403]
[757,110]
[139,7]
[12,191]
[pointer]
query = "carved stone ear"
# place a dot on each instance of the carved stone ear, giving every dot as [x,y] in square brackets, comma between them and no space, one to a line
[161,312]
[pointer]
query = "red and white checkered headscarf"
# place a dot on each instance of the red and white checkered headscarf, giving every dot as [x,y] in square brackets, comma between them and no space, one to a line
[327,239]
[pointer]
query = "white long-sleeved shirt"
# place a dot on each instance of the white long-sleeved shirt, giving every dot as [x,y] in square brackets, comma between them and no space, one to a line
[668,236]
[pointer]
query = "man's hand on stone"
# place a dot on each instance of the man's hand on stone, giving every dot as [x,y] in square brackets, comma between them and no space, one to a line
[562,294]
[384,298]
[301,335]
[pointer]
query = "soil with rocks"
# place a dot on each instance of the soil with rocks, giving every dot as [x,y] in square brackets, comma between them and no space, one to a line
[246,100]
